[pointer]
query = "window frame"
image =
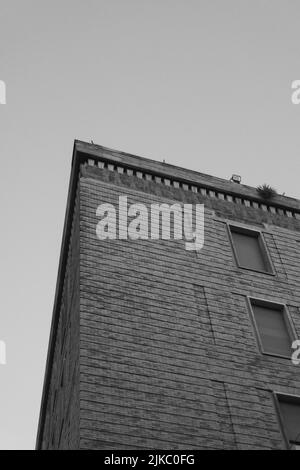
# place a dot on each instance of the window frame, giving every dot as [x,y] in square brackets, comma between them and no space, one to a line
[288,397]
[255,233]
[287,320]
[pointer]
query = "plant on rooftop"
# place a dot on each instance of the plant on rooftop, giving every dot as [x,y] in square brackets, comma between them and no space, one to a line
[266,191]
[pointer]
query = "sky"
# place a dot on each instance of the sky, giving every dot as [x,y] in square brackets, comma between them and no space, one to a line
[203,84]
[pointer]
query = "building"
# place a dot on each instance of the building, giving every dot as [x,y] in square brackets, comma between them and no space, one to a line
[153,346]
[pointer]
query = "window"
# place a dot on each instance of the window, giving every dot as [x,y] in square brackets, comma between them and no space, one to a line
[289,413]
[249,249]
[273,327]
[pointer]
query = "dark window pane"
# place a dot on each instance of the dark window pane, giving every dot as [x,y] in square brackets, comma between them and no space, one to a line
[248,251]
[290,413]
[272,330]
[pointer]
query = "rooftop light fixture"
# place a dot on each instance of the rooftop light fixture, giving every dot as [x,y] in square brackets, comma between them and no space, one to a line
[236,179]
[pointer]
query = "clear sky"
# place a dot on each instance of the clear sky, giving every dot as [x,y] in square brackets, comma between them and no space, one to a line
[204,84]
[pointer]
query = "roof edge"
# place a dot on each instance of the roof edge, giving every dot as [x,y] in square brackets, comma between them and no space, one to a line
[185,175]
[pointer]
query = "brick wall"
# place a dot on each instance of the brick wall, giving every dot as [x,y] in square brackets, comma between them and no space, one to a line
[61,428]
[152,346]
[168,354]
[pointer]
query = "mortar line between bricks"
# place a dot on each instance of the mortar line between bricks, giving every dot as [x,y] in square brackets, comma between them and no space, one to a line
[206,377]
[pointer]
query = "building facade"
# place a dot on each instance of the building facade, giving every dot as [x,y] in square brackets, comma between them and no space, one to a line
[153,346]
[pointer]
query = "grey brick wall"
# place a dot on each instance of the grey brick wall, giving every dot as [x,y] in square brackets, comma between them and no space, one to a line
[155,347]
[61,429]
[168,354]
